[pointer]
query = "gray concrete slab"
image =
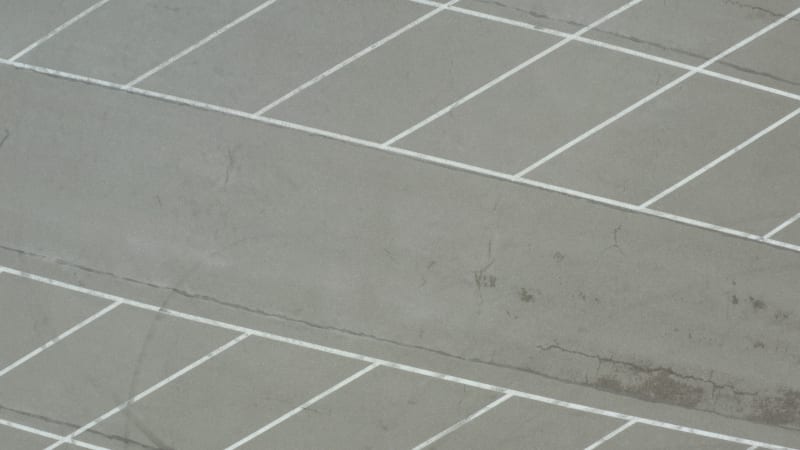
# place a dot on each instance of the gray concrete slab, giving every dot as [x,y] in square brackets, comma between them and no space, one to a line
[34,313]
[665,140]
[20,440]
[528,116]
[755,190]
[384,409]
[23,22]
[413,76]
[688,30]
[642,436]
[102,365]
[770,60]
[226,399]
[122,40]
[525,424]
[562,15]
[259,218]
[275,51]
[790,233]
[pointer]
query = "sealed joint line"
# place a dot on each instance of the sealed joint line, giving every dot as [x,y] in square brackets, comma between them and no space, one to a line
[782,226]
[594,130]
[71,437]
[722,158]
[463,421]
[200,43]
[58,29]
[304,406]
[430,159]
[612,435]
[47,434]
[509,73]
[393,365]
[341,65]
[60,337]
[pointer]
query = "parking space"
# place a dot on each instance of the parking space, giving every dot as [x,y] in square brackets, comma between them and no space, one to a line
[540,108]
[34,314]
[791,233]
[670,28]
[379,96]
[771,60]
[278,49]
[22,440]
[755,190]
[99,367]
[121,40]
[521,424]
[668,138]
[24,22]
[225,399]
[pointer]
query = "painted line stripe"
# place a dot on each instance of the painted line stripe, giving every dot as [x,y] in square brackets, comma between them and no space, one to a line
[509,73]
[611,435]
[58,29]
[200,43]
[302,407]
[47,434]
[60,337]
[443,162]
[337,67]
[780,227]
[463,421]
[389,364]
[656,93]
[71,437]
[721,158]
[617,48]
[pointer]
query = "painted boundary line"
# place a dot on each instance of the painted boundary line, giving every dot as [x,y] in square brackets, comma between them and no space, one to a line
[60,337]
[337,67]
[47,434]
[302,407]
[509,73]
[721,158]
[616,48]
[443,162]
[389,364]
[58,29]
[780,227]
[463,421]
[70,438]
[612,435]
[656,93]
[200,43]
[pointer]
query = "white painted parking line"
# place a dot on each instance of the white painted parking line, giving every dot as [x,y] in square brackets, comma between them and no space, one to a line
[200,43]
[616,48]
[509,73]
[58,29]
[656,93]
[302,407]
[60,337]
[780,227]
[463,422]
[71,437]
[393,365]
[721,158]
[337,67]
[444,162]
[47,434]
[611,435]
